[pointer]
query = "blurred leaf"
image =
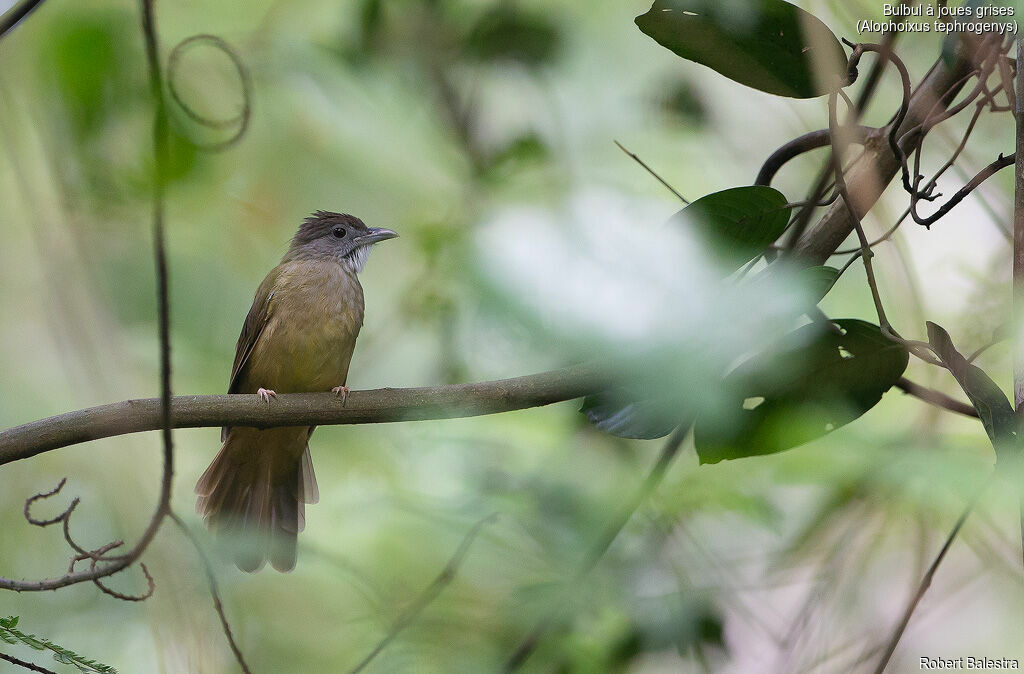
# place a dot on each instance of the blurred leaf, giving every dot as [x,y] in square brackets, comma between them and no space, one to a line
[818,280]
[740,222]
[995,410]
[526,148]
[90,58]
[509,34]
[685,103]
[769,45]
[371,16]
[618,413]
[812,383]
[675,620]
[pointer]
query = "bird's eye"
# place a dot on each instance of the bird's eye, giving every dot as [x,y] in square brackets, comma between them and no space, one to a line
[338,232]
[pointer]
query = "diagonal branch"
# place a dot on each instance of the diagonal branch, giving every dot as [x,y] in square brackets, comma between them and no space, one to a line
[429,594]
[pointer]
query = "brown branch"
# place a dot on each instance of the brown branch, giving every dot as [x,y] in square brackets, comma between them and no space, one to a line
[302,409]
[936,398]
[869,178]
[798,146]
[961,194]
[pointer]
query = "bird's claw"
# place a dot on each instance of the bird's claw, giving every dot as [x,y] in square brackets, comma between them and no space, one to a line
[266,394]
[341,391]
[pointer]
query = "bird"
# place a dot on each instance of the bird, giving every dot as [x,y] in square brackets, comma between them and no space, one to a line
[298,336]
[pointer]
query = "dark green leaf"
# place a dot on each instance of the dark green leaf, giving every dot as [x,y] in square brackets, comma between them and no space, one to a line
[995,410]
[815,381]
[738,223]
[769,45]
[683,101]
[628,416]
[818,280]
[526,149]
[510,34]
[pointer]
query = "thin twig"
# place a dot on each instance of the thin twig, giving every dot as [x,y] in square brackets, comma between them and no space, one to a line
[27,665]
[661,180]
[936,398]
[1018,252]
[999,164]
[529,644]
[922,588]
[13,16]
[885,237]
[428,595]
[871,177]
[211,580]
[115,564]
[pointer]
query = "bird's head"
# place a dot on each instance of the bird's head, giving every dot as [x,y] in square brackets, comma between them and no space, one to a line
[343,237]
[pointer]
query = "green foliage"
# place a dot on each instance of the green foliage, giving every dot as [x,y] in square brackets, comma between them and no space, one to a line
[738,223]
[89,55]
[995,410]
[818,280]
[511,34]
[521,151]
[769,45]
[810,384]
[684,102]
[10,634]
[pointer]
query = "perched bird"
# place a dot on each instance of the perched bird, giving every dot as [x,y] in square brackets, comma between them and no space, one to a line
[298,336]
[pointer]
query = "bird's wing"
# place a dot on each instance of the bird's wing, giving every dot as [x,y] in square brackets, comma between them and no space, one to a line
[255,322]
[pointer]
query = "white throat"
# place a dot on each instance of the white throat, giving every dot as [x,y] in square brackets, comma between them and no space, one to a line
[356,260]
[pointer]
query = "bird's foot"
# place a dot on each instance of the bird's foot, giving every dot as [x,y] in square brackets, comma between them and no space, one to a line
[342,392]
[266,394]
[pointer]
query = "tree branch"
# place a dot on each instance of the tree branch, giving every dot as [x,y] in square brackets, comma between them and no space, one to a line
[879,166]
[303,409]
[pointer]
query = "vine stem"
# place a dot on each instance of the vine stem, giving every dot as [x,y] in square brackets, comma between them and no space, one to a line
[1018,253]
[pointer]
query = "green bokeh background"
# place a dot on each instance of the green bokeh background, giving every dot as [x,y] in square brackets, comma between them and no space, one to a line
[796,561]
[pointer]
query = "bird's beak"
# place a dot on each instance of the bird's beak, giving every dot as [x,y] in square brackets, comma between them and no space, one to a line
[377,234]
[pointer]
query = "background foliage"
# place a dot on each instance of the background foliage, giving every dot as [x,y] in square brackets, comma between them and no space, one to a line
[483,134]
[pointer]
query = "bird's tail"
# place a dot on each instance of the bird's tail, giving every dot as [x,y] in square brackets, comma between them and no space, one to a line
[255,493]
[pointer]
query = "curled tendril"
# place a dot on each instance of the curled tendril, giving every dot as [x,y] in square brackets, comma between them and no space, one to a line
[241,120]
[95,556]
[45,495]
[151,586]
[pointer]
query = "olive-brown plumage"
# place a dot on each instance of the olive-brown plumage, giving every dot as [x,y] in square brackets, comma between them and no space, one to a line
[299,335]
